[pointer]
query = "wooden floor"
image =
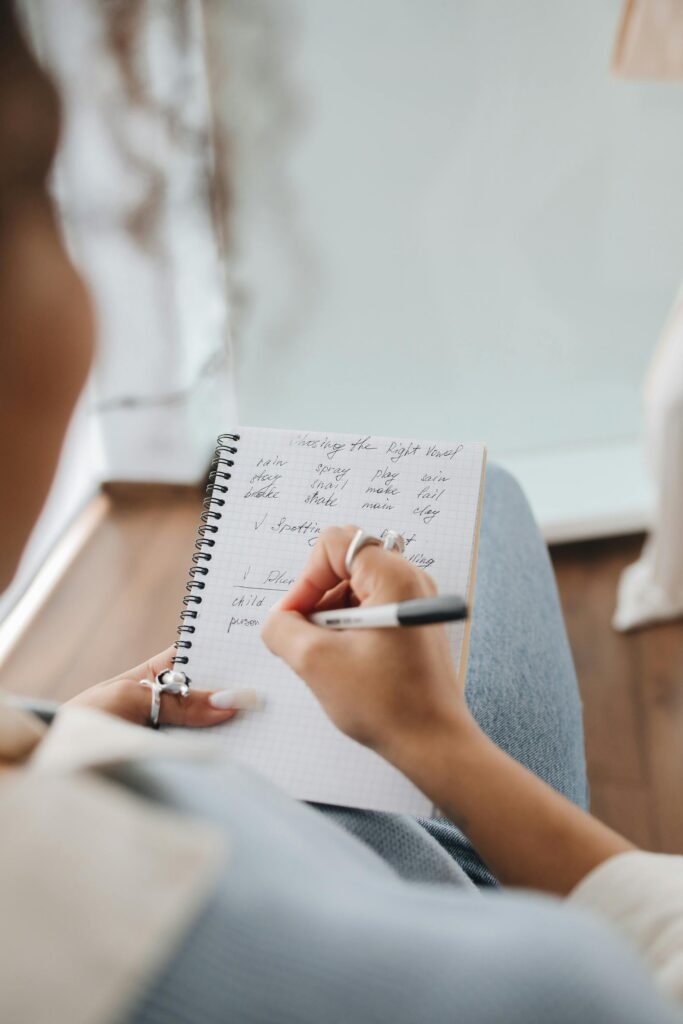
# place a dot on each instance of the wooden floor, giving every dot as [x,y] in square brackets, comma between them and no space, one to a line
[119,603]
[632,688]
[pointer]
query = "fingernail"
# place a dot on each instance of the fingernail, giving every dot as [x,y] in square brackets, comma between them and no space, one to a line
[240,700]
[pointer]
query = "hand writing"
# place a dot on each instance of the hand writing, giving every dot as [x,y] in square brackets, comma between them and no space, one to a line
[386,688]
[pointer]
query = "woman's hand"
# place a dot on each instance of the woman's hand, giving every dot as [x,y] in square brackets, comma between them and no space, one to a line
[386,688]
[124,697]
[395,690]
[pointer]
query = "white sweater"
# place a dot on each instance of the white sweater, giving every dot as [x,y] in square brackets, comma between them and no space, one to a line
[641,894]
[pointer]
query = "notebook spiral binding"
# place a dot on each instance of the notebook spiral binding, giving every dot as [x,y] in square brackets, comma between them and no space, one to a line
[213,503]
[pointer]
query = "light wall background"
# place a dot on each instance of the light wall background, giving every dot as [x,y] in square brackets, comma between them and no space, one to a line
[470,230]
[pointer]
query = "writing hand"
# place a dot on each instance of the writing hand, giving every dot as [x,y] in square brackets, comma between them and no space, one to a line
[388,689]
[395,691]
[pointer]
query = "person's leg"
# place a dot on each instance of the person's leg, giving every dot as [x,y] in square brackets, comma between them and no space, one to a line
[521,684]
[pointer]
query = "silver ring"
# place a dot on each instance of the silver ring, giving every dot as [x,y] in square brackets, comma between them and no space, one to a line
[361,540]
[168,681]
[394,541]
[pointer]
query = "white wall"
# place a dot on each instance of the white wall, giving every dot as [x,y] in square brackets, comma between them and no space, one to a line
[489,229]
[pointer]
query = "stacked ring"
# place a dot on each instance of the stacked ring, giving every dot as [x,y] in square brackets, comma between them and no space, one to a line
[393,541]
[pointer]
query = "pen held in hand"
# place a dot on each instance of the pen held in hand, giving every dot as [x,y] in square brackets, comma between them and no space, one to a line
[422,611]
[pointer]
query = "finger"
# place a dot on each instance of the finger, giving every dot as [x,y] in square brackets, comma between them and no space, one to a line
[290,636]
[323,571]
[339,597]
[375,571]
[147,669]
[127,698]
[194,711]
[161,661]
[378,575]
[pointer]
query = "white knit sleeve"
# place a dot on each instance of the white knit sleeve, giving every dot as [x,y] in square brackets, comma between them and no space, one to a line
[641,894]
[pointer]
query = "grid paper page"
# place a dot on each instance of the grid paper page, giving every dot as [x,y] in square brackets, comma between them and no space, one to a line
[286,486]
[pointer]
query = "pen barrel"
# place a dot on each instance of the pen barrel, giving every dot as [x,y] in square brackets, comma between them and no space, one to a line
[379,617]
[426,611]
[422,611]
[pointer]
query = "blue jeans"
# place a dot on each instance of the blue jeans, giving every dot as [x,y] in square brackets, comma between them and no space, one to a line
[521,684]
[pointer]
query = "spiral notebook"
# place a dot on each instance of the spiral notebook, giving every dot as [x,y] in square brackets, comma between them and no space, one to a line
[270,494]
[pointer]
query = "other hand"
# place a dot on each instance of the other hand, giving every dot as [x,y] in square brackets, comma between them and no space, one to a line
[124,697]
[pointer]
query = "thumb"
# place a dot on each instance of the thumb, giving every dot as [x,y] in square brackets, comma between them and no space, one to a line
[290,636]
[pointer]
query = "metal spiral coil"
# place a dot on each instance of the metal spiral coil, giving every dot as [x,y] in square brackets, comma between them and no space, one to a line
[219,474]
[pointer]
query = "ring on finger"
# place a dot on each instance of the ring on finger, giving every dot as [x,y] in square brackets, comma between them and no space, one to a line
[168,681]
[394,541]
[361,540]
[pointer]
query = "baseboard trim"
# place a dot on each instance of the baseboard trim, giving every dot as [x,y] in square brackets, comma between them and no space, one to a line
[585,492]
[140,492]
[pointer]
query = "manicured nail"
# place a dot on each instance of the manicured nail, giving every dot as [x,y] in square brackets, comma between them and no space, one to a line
[240,700]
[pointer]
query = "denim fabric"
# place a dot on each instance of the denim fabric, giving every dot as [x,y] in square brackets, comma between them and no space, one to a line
[521,684]
[376,921]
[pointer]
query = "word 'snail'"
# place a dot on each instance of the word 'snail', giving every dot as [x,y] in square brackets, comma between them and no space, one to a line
[240,700]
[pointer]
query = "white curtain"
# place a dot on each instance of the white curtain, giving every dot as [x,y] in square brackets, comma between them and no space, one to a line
[652,588]
[650,45]
[136,184]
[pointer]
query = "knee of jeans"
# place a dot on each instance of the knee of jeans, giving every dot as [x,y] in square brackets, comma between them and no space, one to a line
[502,486]
[505,503]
